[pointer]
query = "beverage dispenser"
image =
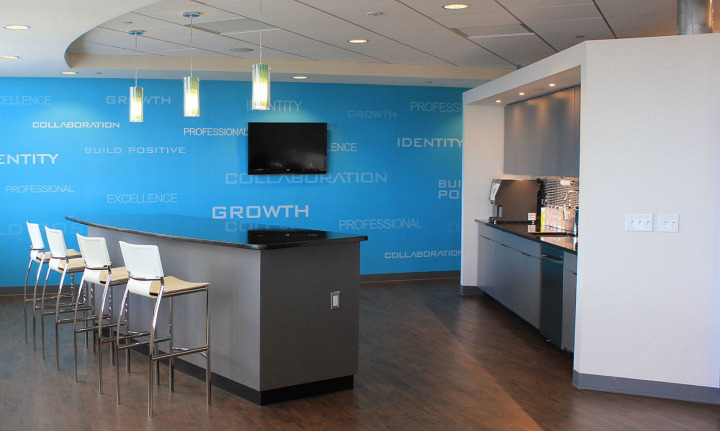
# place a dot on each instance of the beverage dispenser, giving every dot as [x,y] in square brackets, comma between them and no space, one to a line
[514,201]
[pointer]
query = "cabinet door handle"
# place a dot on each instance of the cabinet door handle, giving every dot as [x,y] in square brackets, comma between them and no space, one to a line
[552,259]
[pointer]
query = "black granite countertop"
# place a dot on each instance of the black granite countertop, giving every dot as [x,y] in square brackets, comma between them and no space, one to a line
[565,243]
[214,232]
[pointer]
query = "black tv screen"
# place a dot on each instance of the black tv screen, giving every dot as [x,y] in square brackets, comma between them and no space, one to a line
[287,148]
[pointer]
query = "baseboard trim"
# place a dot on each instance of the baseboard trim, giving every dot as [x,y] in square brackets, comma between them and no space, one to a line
[471,291]
[271,396]
[260,398]
[672,391]
[408,276]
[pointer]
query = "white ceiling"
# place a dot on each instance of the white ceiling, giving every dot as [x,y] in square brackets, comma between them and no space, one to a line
[412,42]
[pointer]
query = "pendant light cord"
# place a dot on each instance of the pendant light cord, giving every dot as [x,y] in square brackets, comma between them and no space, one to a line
[136,36]
[261,32]
[191,44]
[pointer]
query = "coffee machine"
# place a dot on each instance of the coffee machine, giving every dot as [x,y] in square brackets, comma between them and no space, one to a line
[514,201]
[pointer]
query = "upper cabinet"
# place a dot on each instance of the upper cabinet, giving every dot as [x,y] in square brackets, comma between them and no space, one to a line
[542,135]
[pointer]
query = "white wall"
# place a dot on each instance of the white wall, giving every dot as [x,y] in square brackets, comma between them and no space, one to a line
[648,303]
[483,129]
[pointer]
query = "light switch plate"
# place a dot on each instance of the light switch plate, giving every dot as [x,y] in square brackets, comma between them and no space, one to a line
[668,223]
[639,222]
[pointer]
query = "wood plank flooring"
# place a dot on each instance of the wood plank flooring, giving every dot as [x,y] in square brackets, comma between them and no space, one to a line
[429,360]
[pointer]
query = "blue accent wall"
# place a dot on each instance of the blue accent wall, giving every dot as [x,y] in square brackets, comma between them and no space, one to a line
[394,163]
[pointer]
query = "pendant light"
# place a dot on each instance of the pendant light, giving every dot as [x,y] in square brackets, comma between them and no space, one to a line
[191,84]
[260,80]
[136,93]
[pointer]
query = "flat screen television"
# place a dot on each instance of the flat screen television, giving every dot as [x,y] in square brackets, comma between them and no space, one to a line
[287,148]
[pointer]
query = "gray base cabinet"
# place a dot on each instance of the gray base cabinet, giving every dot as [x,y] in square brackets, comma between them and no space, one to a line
[509,271]
[569,294]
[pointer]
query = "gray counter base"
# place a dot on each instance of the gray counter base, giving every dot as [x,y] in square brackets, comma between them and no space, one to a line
[273,333]
[672,391]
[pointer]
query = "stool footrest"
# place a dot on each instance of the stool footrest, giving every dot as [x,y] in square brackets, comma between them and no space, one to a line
[141,343]
[181,352]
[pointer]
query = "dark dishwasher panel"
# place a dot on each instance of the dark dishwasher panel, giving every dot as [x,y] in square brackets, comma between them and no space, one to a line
[551,295]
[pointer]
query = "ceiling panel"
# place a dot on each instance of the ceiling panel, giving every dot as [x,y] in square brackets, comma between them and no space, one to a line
[640,17]
[531,4]
[126,41]
[520,50]
[566,33]
[283,41]
[439,41]
[93,48]
[434,8]
[614,8]
[630,26]
[494,30]
[477,19]
[557,13]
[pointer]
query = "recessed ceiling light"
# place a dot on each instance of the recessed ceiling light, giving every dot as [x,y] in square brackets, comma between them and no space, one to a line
[456,6]
[521,93]
[357,40]
[300,77]
[498,101]
[241,49]
[16,27]
[9,57]
[374,13]
[69,72]
[552,84]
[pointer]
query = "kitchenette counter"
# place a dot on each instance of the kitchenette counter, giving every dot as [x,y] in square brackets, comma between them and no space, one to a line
[565,243]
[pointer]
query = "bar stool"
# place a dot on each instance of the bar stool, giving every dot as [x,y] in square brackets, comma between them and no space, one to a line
[39,256]
[98,272]
[61,263]
[147,279]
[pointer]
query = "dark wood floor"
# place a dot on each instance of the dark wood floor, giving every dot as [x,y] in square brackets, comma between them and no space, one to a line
[429,360]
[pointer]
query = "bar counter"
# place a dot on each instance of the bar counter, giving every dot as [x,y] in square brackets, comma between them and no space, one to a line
[274,336]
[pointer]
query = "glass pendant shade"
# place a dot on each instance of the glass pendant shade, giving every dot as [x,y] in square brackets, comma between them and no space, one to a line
[191,96]
[136,104]
[260,87]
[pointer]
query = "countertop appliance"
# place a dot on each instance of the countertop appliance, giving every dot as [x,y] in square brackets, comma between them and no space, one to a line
[551,294]
[514,200]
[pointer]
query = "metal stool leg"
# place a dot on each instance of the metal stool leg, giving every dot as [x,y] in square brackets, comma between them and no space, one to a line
[42,314]
[208,373]
[117,347]
[25,300]
[57,318]
[37,281]
[171,363]
[152,353]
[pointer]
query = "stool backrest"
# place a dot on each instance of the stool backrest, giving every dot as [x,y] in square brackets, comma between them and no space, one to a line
[95,254]
[143,265]
[58,250]
[36,242]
